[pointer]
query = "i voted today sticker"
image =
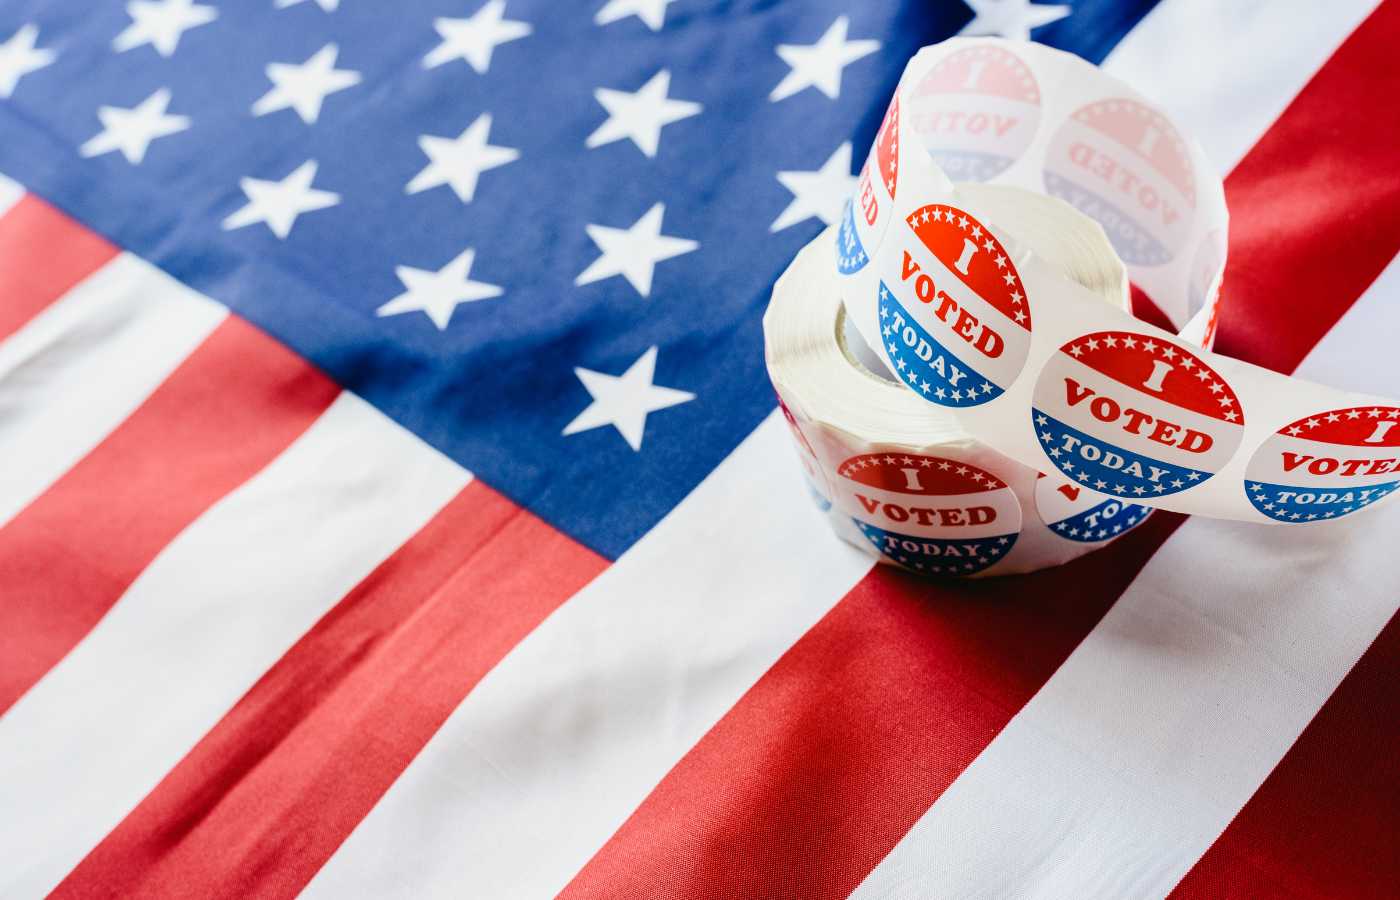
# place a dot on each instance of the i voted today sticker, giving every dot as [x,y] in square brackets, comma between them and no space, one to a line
[1130,415]
[976,112]
[868,214]
[930,514]
[1125,166]
[1326,465]
[954,319]
[1076,513]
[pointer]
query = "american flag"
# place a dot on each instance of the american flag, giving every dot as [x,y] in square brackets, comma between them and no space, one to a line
[393,501]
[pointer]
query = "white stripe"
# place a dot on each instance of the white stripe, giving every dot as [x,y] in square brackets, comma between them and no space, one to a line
[553,750]
[75,371]
[1224,71]
[1137,753]
[219,606]
[10,193]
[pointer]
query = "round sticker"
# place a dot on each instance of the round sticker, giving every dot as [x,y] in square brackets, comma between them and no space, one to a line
[954,319]
[886,149]
[850,249]
[976,111]
[1327,465]
[1076,513]
[1130,415]
[930,514]
[1124,165]
[865,217]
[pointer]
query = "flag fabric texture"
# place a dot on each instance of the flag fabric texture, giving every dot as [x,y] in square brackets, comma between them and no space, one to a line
[393,502]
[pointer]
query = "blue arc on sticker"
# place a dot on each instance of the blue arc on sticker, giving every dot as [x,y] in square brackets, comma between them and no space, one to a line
[940,377]
[1107,468]
[1106,520]
[1133,243]
[939,556]
[850,252]
[1290,503]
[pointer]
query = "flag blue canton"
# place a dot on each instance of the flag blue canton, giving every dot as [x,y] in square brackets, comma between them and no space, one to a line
[578,322]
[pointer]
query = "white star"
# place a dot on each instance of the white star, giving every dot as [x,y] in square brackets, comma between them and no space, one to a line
[278,203]
[633,252]
[821,193]
[458,162]
[327,5]
[819,65]
[652,12]
[19,57]
[132,130]
[640,116]
[1012,19]
[160,23]
[474,38]
[438,293]
[305,87]
[624,401]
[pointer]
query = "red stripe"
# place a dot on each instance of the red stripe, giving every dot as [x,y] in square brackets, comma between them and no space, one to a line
[1324,822]
[235,403]
[43,253]
[266,797]
[829,759]
[1318,198]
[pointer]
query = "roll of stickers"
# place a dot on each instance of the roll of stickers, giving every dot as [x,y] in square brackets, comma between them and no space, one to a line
[902,479]
[979,325]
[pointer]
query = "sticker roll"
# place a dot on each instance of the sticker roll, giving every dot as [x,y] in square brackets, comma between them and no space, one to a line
[1025,357]
[902,479]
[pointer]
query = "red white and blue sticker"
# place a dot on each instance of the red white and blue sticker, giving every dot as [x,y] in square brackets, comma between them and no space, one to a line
[851,256]
[1125,165]
[930,514]
[1132,416]
[954,319]
[867,215]
[1076,513]
[976,112]
[1327,465]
